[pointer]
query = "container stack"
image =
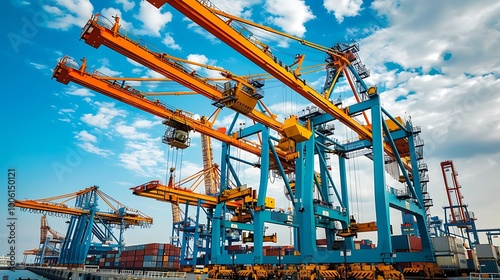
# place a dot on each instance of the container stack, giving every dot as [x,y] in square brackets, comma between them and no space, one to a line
[450,253]
[363,244]
[487,255]
[406,243]
[110,259]
[93,260]
[274,250]
[472,260]
[236,249]
[153,256]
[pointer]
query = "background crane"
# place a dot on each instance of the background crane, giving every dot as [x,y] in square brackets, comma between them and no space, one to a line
[456,214]
[49,249]
[89,230]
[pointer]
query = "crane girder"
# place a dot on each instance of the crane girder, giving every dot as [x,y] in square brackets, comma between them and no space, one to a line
[129,218]
[65,73]
[154,189]
[48,205]
[96,34]
[199,13]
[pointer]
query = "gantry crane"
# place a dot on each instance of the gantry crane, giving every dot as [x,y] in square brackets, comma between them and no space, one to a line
[87,222]
[457,213]
[49,248]
[397,142]
[293,157]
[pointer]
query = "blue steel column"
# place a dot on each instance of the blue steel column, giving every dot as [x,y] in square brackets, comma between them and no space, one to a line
[218,214]
[345,198]
[304,187]
[77,239]
[63,257]
[196,234]
[381,203]
[87,237]
[258,234]
[185,240]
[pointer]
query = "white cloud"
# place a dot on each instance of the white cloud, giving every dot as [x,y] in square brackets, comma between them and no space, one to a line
[144,123]
[87,143]
[289,15]
[110,13]
[106,113]
[68,13]
[84,136]
[108,72]
[428,39]
[130,132]
[63,111]
[202,59]
[38,66]
[200,31]
[343,8]
[169,41]
[153,20]
[144,158]
[127,5]
[91,148]
[78,91]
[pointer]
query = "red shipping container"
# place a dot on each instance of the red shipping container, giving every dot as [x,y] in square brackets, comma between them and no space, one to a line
[139,253]
[234,247]
[415,243]
[137,264]
[152,246]
[151,252]
[470,254]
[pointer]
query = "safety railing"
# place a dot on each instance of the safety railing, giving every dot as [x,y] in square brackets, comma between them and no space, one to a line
[476,275]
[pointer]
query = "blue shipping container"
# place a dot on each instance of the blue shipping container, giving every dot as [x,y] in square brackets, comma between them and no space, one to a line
[488,266]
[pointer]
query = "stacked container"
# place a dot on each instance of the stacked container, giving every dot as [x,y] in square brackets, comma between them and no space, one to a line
[406,243]
[153,256]
[110,259]
[450,253]
[472,260]
[487,255]
[93,260]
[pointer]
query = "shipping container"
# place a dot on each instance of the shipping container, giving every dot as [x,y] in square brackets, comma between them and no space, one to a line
[448,244]
[462,261]
[448,262]
[320,242]
[486,251]
[488,266]
[406,243]
[471,265]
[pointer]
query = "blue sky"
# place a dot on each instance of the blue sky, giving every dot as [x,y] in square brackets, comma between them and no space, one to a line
[436,61]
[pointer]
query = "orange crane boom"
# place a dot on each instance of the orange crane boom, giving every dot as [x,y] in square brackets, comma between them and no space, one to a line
[200,12]
[133,217]
[96,34]
[66,72]
[154,189]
